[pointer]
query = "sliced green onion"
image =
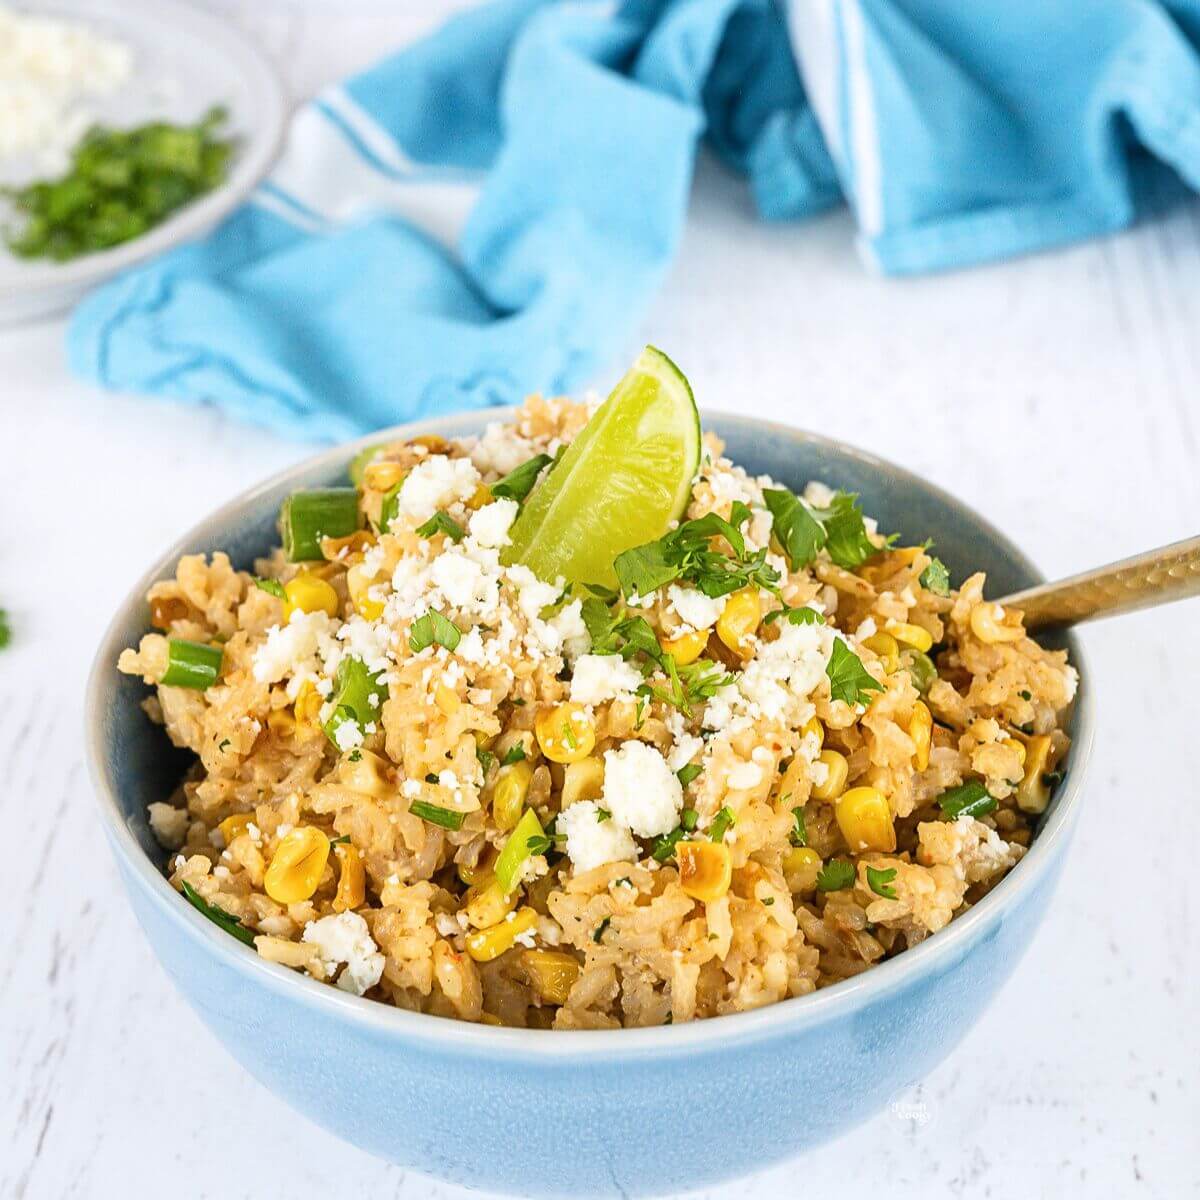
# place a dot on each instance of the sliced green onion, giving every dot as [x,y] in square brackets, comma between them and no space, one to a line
[192,664]
[721,824]
[307,517]
[447,818]
[511,863]
[390,507]
[970,799]
[920,667]
[353,687]
[360,462]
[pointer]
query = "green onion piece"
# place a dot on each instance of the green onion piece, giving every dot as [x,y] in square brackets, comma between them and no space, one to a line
[353,687]
[447,818]
[307,517]
[511,862]
[360,462]
[920,667]
[664,846]
[192,664]
[721,824]
[218,916]
[971,799]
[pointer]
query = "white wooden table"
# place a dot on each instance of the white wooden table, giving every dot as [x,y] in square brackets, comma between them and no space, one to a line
[1058,394]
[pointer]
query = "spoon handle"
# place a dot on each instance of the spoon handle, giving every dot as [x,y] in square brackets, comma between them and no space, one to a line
[1156,577]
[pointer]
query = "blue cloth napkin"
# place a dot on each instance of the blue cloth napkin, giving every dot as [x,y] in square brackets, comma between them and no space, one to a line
[490,211]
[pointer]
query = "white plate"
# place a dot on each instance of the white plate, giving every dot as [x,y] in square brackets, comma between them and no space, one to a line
[185,61]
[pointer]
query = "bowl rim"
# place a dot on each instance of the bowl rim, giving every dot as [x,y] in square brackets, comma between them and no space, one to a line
[547,1046]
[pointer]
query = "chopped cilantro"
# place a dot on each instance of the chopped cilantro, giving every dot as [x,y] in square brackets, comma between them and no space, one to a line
[602,814]
[936,578]
[516,485]
[599,934]
[344,840]
[487,759]
[970,799]
[223,745]
[271,586]
[799,533]
[688,773]
[686,554]
[835,875]
[768,901]
[441,523]
[721,823]
[796,616]
[664,847]
[433,627]
[690,684]
[799,835]
[846,540]
[5,629]
[1025,695]
[516,754]
[356,756]
[218,916]
[849,680]
[878,881]
[436,815]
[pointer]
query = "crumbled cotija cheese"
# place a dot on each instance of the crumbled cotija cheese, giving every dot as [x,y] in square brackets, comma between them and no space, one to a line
[345,938]
[48,70]
[695,609]
[640,789]
[435,484]
[592,842]
[600,677]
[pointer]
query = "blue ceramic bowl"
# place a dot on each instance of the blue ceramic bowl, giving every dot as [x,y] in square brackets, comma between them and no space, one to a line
[544,1113]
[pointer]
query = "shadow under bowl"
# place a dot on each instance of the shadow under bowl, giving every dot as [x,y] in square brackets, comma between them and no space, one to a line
[542,1113]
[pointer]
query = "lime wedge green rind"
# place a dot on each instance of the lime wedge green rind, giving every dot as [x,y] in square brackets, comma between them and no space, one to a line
[619,484]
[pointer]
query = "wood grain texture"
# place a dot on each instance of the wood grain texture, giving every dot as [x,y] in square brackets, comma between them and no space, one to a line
[1058,394]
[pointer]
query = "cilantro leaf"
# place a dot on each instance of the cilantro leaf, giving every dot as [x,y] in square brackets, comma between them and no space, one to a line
[433,627]
[663,849]
[218,916]
[848,678]
[936,578]
[441,523]
[721,824]
[878,881]
[598,936]
[797,530]
[642,570]
[799,835]
[688,685]
[688,773]
[836,874]
[971,799]
[795,616]
[272,587]
[517,484]
[846,539]
[487,759]
[515,754]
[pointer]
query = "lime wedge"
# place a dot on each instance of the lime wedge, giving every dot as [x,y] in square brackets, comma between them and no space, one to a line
[620,483]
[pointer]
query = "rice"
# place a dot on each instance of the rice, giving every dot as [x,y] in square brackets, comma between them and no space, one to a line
[731,834]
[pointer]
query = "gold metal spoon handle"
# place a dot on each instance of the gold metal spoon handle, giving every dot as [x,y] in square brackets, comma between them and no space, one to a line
[1157,577]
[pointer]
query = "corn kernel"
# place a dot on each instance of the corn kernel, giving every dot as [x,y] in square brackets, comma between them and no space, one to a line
[565,733]
[487,1018]
[297,865]
[865,819]
[281,722]
[508,796]
[480,497]
[914,636]
[920,729]
[552,973]
[382,476]
[738,622]
[359,587]
[488,904]
[812,728]
[432,442]
[486,944]
[308,594]
[479,875]
[837,771]
[583,780]
[364,772]
[352,879]
[447,699]
[308,705]
[987,624]
[685,648]
[801,866]
[1033,793]
[705,869]
[235,826]
[1017,747]
[887,648]
[165,609]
